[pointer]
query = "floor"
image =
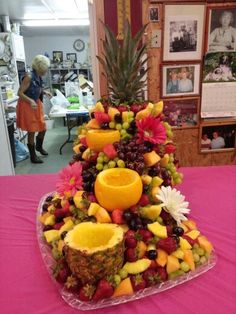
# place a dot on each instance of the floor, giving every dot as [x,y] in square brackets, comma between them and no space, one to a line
[54,162]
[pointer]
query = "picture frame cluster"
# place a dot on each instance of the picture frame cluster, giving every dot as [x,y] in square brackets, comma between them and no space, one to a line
[199,48]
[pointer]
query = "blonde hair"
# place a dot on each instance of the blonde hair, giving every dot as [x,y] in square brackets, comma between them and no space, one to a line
[40,63]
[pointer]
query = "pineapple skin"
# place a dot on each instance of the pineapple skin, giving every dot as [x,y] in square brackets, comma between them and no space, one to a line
[89,268]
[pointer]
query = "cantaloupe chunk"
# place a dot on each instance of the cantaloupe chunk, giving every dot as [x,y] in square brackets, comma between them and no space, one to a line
[112,112]
[124,288]
[93,124]
[151,158]
[205,244]
[188,258]
[141,249]
[98,107]
[172,264]
[161,257]
[190,224]
[102,215]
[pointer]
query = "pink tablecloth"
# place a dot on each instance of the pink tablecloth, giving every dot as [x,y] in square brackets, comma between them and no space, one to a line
[26,287]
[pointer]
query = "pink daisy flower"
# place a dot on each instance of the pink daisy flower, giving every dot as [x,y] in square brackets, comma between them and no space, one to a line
[70,179]
[151,129]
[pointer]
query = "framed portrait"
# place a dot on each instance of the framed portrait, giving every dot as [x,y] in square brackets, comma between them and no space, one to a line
[72,57]
[221,29]
[183,29]
[182,113]
[219,67]
[154,14]
[57,56]
[217,137]
[178,80]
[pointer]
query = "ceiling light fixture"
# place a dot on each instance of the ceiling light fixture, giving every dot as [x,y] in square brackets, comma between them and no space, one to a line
[42,23]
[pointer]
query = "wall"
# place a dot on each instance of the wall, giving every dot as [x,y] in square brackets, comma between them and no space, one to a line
[41,44]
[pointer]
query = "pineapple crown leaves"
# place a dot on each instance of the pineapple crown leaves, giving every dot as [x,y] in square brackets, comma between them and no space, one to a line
[122,64]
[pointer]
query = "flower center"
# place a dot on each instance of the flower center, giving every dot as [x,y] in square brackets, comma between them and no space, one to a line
[72,181]
[148,133]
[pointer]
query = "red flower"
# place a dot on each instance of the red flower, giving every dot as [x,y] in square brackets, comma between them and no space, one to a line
[70,180]
[152,130]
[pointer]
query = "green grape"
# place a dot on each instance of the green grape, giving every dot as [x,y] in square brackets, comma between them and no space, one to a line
[101,154]
[203,260]
[118,126]
[105,159]
[55,253]
[125,125]
[159,219]
[195,246]
[131,114]
[123,132]
[196,257]
[100,160]
[99,166]
[178,181]
[169,133]
[112,125]
[123,273]
[105,167]
[117,279]
[171,158]
[121,163]
[184,266]
[111,164]
[200,251]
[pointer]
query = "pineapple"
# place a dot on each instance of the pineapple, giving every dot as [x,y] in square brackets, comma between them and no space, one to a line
[94,251]
[122,64]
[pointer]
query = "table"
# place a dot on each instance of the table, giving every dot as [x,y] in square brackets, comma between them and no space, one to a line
[26,287]
[73,118]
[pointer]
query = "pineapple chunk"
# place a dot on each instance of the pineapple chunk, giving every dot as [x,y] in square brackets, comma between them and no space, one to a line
[193,234]
[44,217]
[112,112]
[86,154]
[146,179]
[93,208]
[51,235]
[157,229]
[137,267]
[156,181]
[50,220]
[98,107]
[184,244]
[67,226]
[158,108]
[78,197]
[178,253]
[151,212]
[165,160]
[60,245]
[151,158]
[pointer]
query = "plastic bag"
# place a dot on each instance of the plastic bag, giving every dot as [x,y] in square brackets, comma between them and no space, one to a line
[22,151]
[72,89]
[59,100]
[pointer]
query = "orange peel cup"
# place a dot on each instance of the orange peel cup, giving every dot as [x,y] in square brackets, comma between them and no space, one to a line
[118,188]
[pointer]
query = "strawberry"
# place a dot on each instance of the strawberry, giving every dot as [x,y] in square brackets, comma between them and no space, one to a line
[190,240]
[86,292]
[153,265]
[122,108]
[162,273]
[72,284]
[58,225]
[92,198]
[135,108]
[102,117]
[169,148]
[146,235]
[138,283]
[110,151]
[130,234]
[144,200]
[59,213]
[131,255]
[151,277]
[104,290]
[83,141]
[168,244]
[117,216]
[130,242]
[134,209]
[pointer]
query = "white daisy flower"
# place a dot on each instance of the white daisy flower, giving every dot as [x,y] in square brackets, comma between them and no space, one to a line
[173,203]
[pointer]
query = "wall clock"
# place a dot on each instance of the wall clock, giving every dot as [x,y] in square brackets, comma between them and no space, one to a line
[79,45]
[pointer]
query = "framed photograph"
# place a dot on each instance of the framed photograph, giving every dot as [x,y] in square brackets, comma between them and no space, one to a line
[222,29]
[217,137]
[183,32]
[72,57]
[153,14]
[181,113]
[219,67]
[178,80]
[57,56]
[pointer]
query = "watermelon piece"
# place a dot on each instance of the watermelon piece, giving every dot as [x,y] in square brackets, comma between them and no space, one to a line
[110,151]
[83,141]
[102,117]
[117,217]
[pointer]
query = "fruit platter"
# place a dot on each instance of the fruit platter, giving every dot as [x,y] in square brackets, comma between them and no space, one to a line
[116,229]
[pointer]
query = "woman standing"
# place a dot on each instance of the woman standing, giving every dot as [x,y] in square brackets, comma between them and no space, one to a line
[30,115]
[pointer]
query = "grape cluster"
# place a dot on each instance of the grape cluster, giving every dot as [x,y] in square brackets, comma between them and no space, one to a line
[126,127]
[132,154]
[172,169]
[103,162]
